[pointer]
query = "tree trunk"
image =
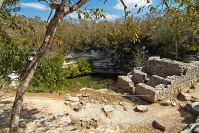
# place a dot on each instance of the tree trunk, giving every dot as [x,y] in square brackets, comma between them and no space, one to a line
[17,105]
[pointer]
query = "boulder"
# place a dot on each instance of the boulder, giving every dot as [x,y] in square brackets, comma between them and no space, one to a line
[159,125]
[141,108]
[193,108]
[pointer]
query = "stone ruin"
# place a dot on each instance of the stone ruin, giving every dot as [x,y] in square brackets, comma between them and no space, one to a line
[160,78]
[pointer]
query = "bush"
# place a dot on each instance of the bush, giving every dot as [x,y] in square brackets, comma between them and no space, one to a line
[49,72]
[12,59]
[80,68]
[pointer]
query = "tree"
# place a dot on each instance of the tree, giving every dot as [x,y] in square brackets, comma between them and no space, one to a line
[61,10]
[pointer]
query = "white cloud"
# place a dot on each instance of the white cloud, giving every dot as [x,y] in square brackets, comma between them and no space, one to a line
[110,17]
[73,15]
[35,5]
[131,4]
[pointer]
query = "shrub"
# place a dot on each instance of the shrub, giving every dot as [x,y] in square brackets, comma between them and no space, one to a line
[49,72]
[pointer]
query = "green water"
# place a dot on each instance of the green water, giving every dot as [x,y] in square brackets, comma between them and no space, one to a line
[90,81]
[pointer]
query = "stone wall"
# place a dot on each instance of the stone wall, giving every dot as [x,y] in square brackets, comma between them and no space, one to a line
[161,78]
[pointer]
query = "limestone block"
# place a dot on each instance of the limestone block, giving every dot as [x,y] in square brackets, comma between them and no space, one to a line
[125,83]
[139,77]
[146,92]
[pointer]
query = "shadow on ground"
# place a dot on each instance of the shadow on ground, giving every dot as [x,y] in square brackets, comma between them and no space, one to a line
[27,115]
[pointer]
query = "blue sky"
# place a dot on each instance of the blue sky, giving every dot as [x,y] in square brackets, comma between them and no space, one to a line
[113,8]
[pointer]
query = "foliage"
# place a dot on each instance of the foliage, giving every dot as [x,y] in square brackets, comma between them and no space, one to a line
[82,67]
[49,72]
[12,59]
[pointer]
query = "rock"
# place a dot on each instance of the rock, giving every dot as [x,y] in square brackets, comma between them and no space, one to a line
[190,128]
[107,109]
[102,90]
[77,108]
[184,96]
[166,102]
[159,125]
[92,123]
[194,99]
[72,99]
[85,95]
[195,129]
[197,119]
[85,89]
[173,104]
[141,108]
[193,108]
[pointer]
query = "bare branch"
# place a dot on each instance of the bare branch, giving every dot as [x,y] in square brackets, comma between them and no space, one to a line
[49,16]
[45,1]
[76,6]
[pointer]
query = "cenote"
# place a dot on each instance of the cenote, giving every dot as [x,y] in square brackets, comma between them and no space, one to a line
[95,81]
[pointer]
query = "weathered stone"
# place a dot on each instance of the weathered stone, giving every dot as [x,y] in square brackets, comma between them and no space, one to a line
[102,90]
[146,92]
[142,108]
[126,84]
[189,128]
[159,125]
[139,76]
[72,99]
[184,96]
[107,109]
[193,108]
[77,108]
[195,129]
[85,89]
[173,103]
[197,119]
[166,102]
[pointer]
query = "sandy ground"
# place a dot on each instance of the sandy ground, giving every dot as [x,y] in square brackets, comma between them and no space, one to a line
[123,118]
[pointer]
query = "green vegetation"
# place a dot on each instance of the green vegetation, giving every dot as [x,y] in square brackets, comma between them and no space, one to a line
[80,68]
[74,84]
[173,35]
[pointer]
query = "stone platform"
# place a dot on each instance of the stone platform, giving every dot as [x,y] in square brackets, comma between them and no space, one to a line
[160,78]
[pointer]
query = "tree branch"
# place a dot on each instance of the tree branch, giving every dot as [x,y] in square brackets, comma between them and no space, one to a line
[76,6]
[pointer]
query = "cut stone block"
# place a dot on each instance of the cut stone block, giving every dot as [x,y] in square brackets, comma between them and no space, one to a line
[139,77]
[146,92]
[125,83]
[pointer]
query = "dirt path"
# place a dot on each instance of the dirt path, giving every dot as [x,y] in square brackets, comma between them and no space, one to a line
[44,114]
